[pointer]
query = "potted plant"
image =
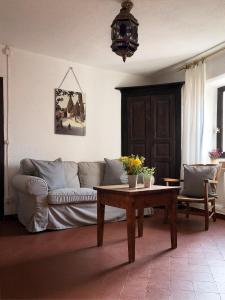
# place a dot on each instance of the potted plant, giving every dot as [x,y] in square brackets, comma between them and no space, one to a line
[148,176]
[133,166]
[214,155]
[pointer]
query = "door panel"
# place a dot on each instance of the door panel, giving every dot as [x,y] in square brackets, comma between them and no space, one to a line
[136,120]
[161,150]
[162,171]
[139,149]
[161,116]
[163,134]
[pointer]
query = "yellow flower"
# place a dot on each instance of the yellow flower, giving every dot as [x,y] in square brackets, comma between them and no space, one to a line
[136,162]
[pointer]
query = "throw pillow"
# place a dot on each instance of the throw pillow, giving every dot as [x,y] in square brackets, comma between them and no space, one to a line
[91,173]
[194,177]
[27,167]
[114,172]
[52,172]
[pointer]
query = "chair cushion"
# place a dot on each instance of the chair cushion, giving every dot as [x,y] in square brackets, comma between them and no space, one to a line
[114,172]
[70,195]
[52,172]
[91,173]
[194,177]
[183,198]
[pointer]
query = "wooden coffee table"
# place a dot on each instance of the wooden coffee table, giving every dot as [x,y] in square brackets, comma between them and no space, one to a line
[136,199]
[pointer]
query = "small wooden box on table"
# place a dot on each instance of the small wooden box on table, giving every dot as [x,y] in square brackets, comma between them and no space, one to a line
[136,199]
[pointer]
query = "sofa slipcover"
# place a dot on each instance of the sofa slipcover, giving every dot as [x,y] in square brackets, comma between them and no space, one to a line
[75,205]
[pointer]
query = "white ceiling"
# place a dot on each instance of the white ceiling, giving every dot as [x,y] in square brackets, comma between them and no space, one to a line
[79,30]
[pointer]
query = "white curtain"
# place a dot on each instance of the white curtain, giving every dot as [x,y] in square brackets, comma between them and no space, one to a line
[193,114]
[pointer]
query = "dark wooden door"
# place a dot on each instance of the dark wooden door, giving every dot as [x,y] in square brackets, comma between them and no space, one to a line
[137,108]
[1,151]
[162,135]
[151,126]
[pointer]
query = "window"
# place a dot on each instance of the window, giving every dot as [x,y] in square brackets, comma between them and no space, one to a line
[221,120]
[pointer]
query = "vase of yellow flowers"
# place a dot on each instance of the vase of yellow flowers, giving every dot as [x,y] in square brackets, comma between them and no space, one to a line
[133,166]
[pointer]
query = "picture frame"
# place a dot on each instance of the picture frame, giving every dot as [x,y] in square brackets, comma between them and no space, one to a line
[70,113]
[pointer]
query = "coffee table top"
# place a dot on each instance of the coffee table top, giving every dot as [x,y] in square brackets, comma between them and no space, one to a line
[124,188]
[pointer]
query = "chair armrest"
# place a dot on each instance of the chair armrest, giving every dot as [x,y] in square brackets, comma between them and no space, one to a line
[211,181]
[171,180]
[168,181]
[30,185]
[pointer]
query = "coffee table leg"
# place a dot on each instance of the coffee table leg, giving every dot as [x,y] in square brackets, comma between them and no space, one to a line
[131,222]
[100,221]
[173,219]
[140,221]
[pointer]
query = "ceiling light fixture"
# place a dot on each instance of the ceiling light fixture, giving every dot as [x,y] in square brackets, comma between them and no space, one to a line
[124,32]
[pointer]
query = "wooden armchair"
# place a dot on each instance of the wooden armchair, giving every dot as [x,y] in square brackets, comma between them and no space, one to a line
[207,199]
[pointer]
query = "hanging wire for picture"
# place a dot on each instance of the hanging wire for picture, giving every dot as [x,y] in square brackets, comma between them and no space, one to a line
[70,69]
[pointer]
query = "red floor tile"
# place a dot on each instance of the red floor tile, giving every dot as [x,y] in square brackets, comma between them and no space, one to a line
[67,264]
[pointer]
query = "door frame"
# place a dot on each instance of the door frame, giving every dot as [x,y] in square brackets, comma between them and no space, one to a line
[1,149]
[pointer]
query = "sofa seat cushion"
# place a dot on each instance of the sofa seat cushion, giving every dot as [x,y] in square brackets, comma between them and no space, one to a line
[70,195]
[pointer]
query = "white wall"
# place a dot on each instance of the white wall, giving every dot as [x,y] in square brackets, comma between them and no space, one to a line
[32,80]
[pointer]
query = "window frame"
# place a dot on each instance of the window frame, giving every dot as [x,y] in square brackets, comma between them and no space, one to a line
[220,128]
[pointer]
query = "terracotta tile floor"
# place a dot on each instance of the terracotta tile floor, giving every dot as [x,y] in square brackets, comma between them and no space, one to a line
[68,265]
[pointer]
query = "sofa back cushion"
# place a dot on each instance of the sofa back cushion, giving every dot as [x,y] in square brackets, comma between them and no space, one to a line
[71,174]
[91,173]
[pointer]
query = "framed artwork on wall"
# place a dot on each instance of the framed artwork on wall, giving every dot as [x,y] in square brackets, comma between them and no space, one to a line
[70,113]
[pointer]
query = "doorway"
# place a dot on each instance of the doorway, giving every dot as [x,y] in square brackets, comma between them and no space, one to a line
[1,150]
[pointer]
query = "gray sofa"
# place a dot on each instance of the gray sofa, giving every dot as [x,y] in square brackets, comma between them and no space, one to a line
[39,208]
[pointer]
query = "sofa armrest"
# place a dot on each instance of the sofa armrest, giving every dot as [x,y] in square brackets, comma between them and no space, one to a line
[30,185]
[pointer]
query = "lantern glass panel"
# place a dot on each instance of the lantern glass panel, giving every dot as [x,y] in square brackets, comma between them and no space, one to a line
[123,29]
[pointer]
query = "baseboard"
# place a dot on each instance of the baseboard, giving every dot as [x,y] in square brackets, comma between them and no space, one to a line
[10,217]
